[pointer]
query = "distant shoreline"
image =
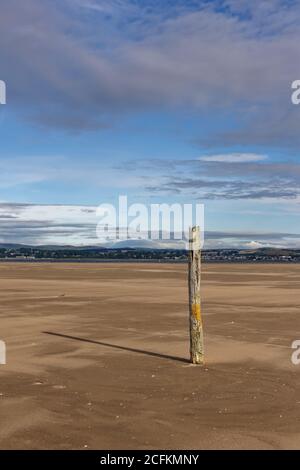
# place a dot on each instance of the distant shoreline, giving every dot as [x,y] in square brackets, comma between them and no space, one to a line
[68,254]
[148,261]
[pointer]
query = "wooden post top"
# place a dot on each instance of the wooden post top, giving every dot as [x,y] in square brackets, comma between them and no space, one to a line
[194,241]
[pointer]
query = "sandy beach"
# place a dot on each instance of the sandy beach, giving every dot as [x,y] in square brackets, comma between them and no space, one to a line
[97,357]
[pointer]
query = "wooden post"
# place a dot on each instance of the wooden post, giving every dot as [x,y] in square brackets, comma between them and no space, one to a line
[196,330]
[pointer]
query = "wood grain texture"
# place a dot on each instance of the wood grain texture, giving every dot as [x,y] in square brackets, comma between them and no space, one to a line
[196,328]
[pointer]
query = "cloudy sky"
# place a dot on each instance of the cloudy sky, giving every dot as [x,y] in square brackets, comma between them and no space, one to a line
[161,100]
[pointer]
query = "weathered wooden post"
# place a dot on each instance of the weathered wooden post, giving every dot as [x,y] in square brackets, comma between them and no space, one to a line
[196,330]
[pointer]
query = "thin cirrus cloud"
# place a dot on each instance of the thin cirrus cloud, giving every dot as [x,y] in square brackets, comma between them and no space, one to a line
[232,176]
[234,158]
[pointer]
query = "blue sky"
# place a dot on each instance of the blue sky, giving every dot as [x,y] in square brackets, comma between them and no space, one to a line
[165,101]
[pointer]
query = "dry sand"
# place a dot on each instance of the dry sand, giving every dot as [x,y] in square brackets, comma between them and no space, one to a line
[119,378]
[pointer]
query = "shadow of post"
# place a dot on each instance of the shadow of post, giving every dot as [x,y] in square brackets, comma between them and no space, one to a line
[122,348]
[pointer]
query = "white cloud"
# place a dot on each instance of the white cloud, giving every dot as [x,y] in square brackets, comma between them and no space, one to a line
[253,244]
[76,225]
[234,158]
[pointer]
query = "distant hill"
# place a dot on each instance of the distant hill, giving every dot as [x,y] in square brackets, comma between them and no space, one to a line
[272,251]
[49,247]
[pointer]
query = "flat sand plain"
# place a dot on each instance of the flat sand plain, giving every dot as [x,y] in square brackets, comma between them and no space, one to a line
[97,357]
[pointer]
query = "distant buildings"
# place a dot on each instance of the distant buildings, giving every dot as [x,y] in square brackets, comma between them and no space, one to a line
[30,253]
